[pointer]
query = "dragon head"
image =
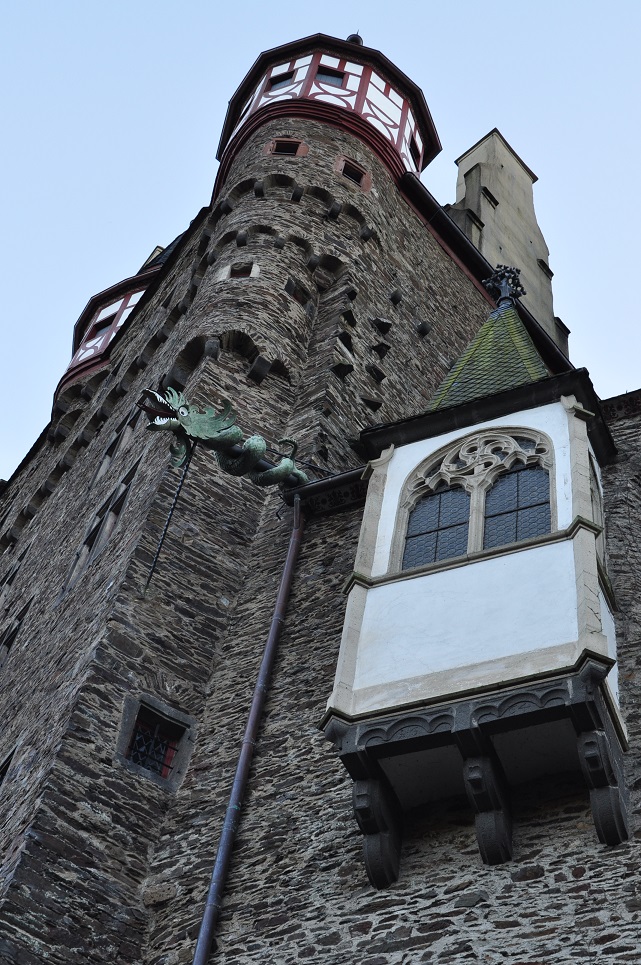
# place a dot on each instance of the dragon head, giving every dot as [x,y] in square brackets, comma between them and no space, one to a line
[171,412]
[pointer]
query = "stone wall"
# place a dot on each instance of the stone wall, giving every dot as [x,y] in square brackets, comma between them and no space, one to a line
[101,864]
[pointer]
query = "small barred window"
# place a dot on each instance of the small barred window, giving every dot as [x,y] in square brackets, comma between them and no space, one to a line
[154,742]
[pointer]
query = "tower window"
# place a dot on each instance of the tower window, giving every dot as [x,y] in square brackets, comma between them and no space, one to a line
[352,172]
[297,292]
[4,767]
[415,152]
[154,742]
[286,145]
[120,440]
[280,80]
[241,271]
[327,75]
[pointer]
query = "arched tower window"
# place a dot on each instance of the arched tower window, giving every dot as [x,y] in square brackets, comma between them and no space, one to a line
[489,490]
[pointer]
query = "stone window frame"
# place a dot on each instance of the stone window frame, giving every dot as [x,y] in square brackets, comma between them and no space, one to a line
[175,718]
[278,146]
[471,463]
[365,181]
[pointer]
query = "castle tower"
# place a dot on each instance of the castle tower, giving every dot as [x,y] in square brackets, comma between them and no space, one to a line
[324,297]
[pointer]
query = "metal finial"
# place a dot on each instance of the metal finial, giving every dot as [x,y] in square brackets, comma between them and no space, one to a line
[506,282]
[355,39]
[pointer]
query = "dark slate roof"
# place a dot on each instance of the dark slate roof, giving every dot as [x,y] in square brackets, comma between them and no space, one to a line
[502,356]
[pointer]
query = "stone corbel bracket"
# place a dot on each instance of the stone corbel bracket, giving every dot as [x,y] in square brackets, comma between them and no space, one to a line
[470,725]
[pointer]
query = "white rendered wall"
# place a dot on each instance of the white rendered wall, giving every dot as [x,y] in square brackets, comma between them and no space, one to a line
[484,611]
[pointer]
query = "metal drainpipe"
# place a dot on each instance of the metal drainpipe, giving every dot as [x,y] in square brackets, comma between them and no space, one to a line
[232,815]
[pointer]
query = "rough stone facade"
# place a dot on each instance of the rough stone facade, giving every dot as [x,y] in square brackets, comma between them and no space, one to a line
[99,863]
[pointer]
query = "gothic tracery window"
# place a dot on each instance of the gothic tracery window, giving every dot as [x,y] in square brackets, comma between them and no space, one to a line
[490,490]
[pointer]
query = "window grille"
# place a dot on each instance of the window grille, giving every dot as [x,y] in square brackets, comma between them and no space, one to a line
[154,742]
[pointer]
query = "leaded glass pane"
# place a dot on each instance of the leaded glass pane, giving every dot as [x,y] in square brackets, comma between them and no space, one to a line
[437,528]
[534,486]
[452,542]
[533,521]
[500,530]
[517,507]
[419,550]
[503,496]
[455,507]
[527,445]
[424,516]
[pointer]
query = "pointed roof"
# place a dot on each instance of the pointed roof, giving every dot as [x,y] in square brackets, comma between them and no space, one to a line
[502,356]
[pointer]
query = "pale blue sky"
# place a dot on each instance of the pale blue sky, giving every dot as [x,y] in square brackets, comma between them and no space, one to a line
[113,111]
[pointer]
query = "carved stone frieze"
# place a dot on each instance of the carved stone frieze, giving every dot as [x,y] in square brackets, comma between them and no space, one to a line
[470,727]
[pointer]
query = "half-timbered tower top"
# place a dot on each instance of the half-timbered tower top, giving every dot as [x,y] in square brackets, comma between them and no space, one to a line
[340,82]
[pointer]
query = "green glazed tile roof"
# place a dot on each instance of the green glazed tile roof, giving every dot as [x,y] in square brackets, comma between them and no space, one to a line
[501,357]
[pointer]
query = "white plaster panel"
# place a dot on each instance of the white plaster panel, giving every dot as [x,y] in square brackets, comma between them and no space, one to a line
[379,125]
[384,103]
[551,419]
[395,97]
[321,93]
[110,309]
[495,608]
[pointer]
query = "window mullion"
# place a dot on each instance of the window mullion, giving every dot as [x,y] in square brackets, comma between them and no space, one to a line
[477,507]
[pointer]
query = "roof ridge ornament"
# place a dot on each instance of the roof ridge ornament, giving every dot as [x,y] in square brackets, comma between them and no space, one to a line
[506,281]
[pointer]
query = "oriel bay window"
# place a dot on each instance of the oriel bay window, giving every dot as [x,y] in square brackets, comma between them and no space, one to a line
[490,490]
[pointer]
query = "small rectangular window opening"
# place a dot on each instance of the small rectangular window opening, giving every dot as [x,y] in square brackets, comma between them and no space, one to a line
[101,327]
[287,146]
[353,172]
[415,153]
[327,75]
[281,80]
[4,767]
[241,271]
[154,742]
